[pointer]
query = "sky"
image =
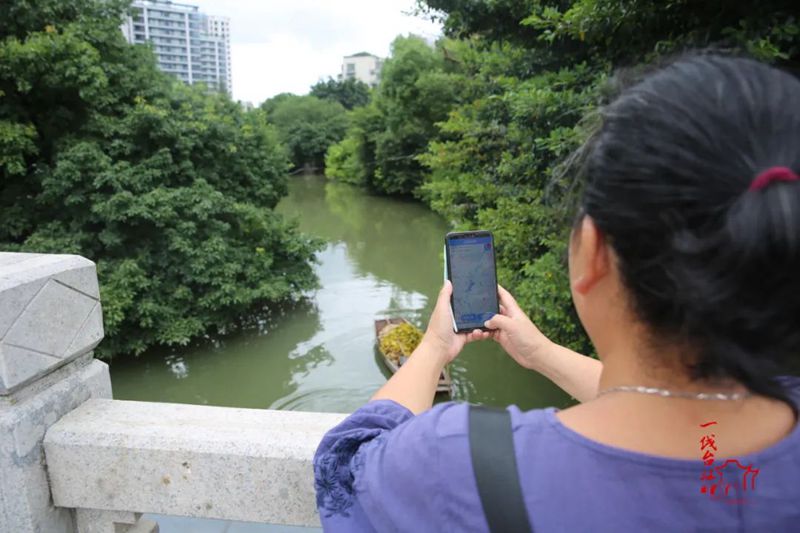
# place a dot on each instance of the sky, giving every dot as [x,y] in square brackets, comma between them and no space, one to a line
[288,45]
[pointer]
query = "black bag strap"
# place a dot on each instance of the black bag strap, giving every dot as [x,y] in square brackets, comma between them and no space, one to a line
[491,445]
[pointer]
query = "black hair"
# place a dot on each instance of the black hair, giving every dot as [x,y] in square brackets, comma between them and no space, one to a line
[708,263]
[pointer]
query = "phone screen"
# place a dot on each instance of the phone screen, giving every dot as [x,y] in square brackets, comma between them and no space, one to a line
[471,269]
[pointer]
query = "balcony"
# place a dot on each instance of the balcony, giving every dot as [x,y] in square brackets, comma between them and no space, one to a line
[166,25]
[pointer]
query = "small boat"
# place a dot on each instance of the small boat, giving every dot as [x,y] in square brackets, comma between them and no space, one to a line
[445,383]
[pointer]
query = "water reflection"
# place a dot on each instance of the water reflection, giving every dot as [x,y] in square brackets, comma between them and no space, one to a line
[235,371]
[383,257]
[177,366]
[385,238]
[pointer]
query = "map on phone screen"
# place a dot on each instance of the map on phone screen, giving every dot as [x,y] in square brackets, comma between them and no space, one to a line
[473,276]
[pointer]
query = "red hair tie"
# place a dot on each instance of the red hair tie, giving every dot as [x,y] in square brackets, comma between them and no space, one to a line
[773,174]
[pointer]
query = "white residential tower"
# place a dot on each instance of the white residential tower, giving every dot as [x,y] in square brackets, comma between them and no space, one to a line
[190,45]
[362,66]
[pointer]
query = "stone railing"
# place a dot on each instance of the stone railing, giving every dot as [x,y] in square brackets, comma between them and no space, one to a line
[72,459]
[186,460]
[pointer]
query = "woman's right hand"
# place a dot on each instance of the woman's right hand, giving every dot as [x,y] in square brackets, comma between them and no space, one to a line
[516,333]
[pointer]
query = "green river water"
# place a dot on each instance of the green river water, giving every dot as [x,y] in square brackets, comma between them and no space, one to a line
[383,257]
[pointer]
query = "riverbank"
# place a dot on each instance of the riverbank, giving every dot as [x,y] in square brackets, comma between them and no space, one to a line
[382,257]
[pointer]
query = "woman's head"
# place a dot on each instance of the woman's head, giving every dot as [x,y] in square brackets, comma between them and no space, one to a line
[705,261]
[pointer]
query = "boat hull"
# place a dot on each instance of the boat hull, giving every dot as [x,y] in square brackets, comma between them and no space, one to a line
[445,382]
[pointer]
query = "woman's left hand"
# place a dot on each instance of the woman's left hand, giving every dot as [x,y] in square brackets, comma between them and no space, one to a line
[440,335]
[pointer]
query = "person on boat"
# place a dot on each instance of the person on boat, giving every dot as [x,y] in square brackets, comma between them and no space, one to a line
[684,267]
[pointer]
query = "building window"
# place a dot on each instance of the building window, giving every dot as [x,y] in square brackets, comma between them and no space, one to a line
[351,68]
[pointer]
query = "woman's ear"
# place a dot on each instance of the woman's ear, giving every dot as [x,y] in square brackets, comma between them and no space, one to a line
[589,256]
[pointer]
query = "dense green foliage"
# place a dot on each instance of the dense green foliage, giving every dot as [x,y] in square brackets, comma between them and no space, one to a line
[351,93]
[170,190]
[388,136]
[522,80]
[307,126]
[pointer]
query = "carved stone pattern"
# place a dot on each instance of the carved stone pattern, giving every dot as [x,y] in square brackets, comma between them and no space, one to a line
[50,313]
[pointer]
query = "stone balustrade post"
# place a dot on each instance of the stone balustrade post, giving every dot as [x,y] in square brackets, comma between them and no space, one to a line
[50,321]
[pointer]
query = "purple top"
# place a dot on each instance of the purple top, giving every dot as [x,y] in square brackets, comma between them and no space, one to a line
[384,469]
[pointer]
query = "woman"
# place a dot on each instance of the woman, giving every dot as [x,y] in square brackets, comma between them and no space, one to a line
[684,266]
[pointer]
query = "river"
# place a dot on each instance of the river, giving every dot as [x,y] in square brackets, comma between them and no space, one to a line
[382,257]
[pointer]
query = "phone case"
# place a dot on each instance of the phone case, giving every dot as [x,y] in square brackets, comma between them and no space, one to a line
[446,275]
[452,315]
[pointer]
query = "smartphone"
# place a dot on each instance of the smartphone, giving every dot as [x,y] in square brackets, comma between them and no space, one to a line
[470,266]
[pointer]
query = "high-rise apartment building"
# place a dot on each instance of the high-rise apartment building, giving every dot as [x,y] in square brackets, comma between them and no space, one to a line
[220,27]
[361,66]
[190,45]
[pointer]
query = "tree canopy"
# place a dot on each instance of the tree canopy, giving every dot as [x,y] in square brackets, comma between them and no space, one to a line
[351,93]
[307,125]
[482,126]
[168,188]
[387,136]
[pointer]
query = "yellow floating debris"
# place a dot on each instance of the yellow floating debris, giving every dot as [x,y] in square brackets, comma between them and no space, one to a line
[397,340]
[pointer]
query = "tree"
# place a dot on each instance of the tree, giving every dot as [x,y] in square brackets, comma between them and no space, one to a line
[537,67]
[483,129]
[351,93]
[168,189]
[625,32]
[387,137]
[352,160]
[307,126]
